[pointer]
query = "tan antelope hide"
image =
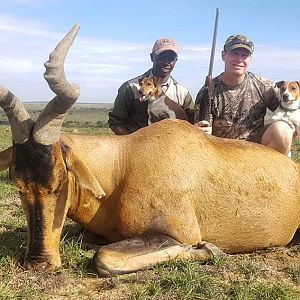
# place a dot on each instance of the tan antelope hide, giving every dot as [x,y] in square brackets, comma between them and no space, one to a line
[166,191]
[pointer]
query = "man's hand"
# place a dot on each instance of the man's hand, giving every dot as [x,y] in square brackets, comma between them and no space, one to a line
[120,130]
[204,126]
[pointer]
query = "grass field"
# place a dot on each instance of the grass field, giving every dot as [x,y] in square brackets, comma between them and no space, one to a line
[80,116]
[270,274]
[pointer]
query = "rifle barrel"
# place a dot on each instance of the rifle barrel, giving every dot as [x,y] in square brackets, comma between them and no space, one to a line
[213,47]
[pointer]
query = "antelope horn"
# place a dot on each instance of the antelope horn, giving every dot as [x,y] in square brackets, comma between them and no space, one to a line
[20,122]
[48,125]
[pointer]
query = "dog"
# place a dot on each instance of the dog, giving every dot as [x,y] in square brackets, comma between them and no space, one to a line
[159,105]
[288,109]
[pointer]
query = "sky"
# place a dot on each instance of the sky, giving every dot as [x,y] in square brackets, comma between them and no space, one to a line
[116,38]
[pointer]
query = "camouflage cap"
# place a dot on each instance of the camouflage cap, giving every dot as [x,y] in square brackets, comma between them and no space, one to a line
[164,44]
[238,41]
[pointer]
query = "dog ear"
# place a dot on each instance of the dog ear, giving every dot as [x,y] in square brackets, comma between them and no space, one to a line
[140,80]
[298,82]
[279,84]
[151,56]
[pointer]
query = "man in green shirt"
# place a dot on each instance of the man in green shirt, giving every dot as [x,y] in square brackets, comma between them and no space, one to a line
[129,113]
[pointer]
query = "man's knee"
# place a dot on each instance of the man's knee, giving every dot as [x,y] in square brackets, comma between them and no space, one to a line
[279,136]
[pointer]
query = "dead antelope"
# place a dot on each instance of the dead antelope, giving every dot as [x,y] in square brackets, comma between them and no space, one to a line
[165,191]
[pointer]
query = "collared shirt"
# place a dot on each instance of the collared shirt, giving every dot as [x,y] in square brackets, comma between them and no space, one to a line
[165,87]
[129,111]
[238,112]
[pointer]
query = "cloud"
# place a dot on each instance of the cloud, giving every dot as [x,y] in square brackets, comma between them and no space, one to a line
[19,27]
[100,66]
[90,62]
[277,63]
[13,65]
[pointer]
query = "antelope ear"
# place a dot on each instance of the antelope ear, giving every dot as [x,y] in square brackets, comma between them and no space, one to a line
[83,174]
[5,158]
[279,84]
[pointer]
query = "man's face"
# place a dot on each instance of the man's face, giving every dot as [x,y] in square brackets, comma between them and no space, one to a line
[236,61]
[163,63]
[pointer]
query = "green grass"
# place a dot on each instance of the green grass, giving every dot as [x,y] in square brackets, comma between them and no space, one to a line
[5,136]
[191,280]
[294,272]
[92,112]
[74,256]
[296,150]
[184,280]
[6,188]
[88,119]
[259,291]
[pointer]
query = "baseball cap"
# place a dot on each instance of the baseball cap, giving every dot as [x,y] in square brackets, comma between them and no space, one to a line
[164,44]
[238,41]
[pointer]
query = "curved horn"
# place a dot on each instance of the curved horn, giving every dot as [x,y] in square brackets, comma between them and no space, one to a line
[48,125]
[20,122]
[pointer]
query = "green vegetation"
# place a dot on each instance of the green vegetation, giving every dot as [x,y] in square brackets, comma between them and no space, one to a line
[265,275]
[296,150]
[82,119]
[191,280]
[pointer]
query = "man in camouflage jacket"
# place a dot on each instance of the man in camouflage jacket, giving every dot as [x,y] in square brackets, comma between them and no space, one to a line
[235,104]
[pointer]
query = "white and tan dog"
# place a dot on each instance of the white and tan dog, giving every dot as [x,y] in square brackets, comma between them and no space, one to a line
[159,105]
[288,110]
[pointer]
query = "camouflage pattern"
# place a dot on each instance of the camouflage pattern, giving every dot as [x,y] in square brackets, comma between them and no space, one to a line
[238,41]
[238,113]
[129,111]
